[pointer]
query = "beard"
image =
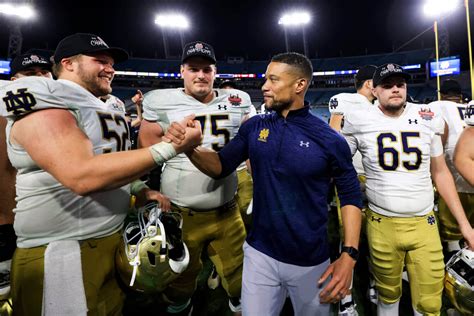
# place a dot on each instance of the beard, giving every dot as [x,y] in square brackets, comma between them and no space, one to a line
[278,106]
[394,107]
[93,83]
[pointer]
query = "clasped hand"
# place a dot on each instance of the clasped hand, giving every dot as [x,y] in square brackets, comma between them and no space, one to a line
[185,135]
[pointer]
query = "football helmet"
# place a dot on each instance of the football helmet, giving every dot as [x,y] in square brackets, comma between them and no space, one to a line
[459,281]
[152,253]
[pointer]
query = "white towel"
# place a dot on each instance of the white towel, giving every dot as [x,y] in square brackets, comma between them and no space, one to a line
[63,288]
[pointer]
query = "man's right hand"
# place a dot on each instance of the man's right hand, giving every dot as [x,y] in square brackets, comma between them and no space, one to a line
[185,134]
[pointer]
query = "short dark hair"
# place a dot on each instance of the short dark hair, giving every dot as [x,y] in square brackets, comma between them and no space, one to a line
[227,84]
[299,61]
[358,83]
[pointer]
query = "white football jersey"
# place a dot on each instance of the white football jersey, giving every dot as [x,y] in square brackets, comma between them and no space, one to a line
[469,114]
[396,156]
[220,120]
[3,111]
[344,103]
[453,114]
[115,103]
[46,210]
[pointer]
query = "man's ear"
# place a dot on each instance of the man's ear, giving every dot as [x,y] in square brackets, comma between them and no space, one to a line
[67,64]
[301,85]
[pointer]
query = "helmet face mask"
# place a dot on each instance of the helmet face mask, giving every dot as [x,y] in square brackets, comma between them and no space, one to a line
[144,260]
[459,281]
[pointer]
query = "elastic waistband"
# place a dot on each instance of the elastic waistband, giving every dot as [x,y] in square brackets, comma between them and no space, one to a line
[375,215]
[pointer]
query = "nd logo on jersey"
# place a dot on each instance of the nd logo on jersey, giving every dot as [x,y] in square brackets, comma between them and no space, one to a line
[19,103]
[263,135]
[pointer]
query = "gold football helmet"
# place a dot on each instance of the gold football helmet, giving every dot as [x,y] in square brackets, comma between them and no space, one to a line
[459,281]
[152,254]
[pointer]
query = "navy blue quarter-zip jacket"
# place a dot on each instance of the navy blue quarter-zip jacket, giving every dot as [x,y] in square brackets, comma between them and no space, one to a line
[293,160]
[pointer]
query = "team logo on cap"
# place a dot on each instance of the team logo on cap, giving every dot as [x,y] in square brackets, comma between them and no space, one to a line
[390,68]
[426,114]
[97,41]
[33,59]
[199,48]
[235,100]
[263,135]
[333,103]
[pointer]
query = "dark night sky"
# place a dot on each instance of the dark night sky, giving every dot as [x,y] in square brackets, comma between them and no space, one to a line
[242,28]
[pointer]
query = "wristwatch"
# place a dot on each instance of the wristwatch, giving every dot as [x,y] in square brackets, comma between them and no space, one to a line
[351,251]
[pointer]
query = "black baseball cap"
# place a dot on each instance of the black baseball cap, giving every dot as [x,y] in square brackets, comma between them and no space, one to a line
[450,87]
[388,70]
[85,43]
[365,73]
[29,60]
[199,49]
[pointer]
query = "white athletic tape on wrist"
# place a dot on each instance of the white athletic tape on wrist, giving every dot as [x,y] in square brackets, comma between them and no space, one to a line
[162,152]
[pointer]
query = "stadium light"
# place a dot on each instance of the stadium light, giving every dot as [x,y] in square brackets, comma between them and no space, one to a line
[172,21]
[24,12]
[295,19]
[436,9]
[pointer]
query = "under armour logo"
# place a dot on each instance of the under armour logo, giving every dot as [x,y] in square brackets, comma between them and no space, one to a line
[410,121]
[302,143]
[19,103]
[376,219]
[222,107]
[431,220]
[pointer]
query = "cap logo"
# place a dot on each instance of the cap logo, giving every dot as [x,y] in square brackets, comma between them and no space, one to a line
[390,68]
[199,48]
[97,41]
[33,59]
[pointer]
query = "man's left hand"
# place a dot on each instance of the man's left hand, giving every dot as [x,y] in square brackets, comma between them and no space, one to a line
[341,277]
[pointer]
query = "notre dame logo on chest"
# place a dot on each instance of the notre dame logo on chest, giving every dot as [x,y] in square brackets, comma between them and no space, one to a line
[20,102]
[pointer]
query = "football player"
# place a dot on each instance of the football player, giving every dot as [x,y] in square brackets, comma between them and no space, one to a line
[453,113]
[344,102]
[401,152]
[464,152]
[72,184]
[29,64]
[210,212]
